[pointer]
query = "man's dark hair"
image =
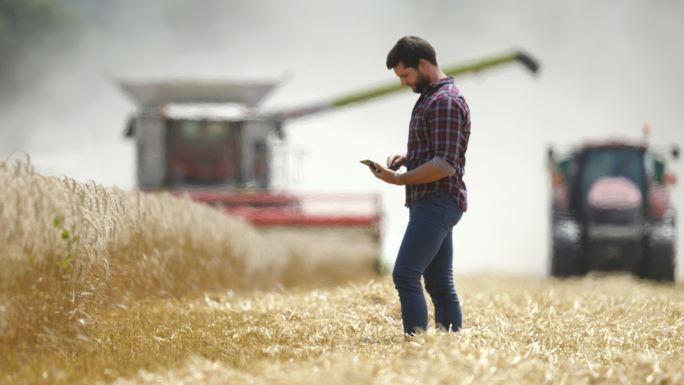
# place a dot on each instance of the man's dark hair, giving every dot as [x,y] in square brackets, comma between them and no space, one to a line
[409,50]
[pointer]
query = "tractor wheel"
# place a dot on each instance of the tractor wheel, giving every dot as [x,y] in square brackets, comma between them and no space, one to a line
[660,264]
[566,260]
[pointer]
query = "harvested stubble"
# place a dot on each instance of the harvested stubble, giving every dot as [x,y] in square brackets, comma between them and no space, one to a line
[611,330]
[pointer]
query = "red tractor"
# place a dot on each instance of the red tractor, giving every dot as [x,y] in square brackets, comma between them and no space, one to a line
[611,211]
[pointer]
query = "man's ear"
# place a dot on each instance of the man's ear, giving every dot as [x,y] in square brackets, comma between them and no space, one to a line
[424,65]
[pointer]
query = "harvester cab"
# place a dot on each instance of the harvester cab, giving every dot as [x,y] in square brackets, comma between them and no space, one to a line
[192,134]
[611,210]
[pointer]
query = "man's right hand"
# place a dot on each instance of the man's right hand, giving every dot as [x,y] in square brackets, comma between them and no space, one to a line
[395,161]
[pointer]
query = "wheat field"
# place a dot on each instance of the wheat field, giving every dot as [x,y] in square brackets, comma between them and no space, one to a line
[102,286]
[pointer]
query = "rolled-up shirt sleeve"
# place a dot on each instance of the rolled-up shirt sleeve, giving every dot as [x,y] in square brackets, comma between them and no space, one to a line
[444,119]
[443,165]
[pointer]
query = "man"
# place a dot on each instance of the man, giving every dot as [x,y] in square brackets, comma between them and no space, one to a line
[435,191]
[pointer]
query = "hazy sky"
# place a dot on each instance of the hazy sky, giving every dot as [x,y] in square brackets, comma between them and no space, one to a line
[607,67]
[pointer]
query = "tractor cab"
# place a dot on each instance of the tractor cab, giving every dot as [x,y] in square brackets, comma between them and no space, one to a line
[610,176]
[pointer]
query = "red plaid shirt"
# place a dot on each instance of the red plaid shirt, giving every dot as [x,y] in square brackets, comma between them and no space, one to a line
[439,130]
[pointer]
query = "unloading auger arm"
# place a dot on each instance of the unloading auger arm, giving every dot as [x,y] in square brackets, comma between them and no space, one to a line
[374,92]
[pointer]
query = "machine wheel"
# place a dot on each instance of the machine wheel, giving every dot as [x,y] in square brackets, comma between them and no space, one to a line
[566,247]
[660,262]
[660,265]
[566,260]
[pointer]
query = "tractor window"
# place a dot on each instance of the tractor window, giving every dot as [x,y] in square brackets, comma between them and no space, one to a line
[612,162]
[202,153]
[566,166]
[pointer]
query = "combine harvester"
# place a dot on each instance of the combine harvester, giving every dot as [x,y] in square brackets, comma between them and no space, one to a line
[208,140]
[611,210]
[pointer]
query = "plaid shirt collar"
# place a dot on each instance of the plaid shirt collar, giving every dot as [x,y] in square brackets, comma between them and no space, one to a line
[437,84]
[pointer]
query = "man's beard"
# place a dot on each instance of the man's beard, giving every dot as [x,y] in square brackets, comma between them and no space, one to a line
[421,83]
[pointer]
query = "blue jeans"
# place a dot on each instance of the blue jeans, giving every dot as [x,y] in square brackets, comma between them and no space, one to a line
[427,250]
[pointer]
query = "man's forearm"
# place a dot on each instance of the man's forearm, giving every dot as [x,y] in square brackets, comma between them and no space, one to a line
[425,173]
